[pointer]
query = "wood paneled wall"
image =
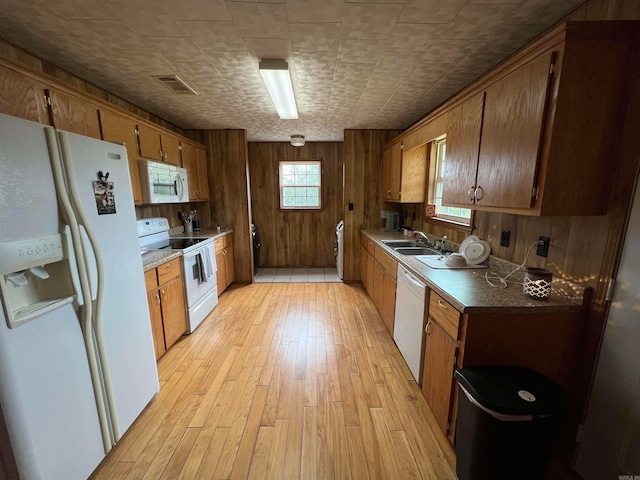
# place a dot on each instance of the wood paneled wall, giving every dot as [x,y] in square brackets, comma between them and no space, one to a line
[362,188]
[295,238]
[230,195]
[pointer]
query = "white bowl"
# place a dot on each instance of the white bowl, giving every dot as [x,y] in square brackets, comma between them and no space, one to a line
[455,260]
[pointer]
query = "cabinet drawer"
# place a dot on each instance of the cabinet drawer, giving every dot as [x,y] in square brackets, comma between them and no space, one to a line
[388,263]
[218,244]
[168,271]
[368,244]
[444,313]
[151,280]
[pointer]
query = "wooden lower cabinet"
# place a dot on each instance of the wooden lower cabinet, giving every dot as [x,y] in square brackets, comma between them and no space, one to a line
[437,380]
[549,342]
[378,273]
[224,261]
[165,295]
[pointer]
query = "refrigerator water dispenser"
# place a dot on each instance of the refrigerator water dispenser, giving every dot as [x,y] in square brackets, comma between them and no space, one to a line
[35,277]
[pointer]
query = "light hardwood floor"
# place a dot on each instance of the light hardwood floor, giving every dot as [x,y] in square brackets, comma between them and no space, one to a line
[285,381]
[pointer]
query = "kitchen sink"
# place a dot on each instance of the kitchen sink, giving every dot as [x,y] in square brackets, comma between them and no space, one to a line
[401,243]
[416,251]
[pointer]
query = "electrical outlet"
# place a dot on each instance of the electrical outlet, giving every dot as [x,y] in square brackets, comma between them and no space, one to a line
[543,246]
[505,236]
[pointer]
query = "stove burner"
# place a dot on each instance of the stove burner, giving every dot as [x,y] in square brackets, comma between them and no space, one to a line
[184,243]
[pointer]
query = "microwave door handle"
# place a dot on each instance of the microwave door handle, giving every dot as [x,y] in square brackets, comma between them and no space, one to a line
[179,186]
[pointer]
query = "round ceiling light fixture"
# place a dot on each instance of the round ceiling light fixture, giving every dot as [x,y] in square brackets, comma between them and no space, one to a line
[297,140]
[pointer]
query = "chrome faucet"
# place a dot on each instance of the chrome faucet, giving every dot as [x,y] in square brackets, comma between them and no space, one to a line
[424,237]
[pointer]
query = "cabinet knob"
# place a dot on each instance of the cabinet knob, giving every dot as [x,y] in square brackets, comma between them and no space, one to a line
[479,193]
[471,193]
[158,298]
[164,295]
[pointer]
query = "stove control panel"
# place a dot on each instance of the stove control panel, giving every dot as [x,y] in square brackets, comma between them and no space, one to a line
[149,226]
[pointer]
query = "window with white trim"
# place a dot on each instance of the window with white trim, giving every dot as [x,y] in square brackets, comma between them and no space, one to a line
[452,214]
[300,184]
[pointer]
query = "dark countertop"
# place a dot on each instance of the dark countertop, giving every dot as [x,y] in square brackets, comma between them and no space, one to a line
[469,292]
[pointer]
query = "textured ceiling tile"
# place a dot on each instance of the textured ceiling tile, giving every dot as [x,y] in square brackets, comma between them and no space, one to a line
[414,37]
[199,9]
[448,52]
[398,62]
[233,63]
[260,48]
[347,73]
[111,34]
[322,11]
[430,11]
[38,16]
[544,11]
[162,23]
[360,51]
[477,21]
[315,37]
[214,35]
[179,49]
[259,20]
[85,10]
[369,21]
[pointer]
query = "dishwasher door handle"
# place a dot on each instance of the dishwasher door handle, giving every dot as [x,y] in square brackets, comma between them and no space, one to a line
[413,279]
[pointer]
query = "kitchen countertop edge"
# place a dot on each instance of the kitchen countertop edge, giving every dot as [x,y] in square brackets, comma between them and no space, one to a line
[455,286]
[155,258]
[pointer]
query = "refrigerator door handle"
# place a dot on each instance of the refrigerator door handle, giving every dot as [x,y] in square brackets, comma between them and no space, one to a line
[73,263]
[86,311]
[92,262]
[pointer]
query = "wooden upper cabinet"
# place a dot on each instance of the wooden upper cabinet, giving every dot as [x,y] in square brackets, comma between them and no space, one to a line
[514,112]
[149,141]
[73,114]
[548,128]
[404,174]
[203,175]
[21,96]
[170,149]
[120,129]
[463,147]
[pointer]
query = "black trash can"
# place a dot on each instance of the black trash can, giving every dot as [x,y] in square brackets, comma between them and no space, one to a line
[256,246]
[507,420]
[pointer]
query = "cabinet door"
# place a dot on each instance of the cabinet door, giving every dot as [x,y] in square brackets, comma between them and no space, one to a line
[149,140]
[189,162]
[378,276]
[120,129]
[170,149]
[386,174]
[437,378]
[413,175]
[203,174]
[73,114]
[20,96]
[229,265]
[388,302]
[157,329]
[395,171]
[221,277]
[363,267]
[511,135]
[370,275]
[463,147]
[174,315]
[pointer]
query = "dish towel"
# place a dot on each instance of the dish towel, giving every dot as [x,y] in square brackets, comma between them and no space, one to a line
[209,261]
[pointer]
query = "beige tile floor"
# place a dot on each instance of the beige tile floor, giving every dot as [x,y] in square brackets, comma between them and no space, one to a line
[296,275]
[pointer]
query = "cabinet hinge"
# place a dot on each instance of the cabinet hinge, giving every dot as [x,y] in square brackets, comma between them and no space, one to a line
[137,132]
[610,289]
[47,101]
[402,146]
[534,192]
[552,68]
[180,147]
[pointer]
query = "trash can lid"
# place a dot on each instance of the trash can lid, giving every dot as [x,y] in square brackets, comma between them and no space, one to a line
[513,390]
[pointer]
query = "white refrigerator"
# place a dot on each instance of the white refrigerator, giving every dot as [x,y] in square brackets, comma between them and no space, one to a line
[77,363]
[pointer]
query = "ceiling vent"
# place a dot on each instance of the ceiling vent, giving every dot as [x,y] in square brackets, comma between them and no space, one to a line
[175,84]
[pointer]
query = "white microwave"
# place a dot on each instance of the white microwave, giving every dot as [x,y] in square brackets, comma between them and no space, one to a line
[163,183]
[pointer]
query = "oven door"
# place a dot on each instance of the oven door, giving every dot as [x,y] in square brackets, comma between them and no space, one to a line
[195,284]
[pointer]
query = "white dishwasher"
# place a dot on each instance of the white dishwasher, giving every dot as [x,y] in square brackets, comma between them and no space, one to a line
[408,329]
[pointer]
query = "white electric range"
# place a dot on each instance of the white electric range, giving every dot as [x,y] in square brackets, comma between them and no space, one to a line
[198,265]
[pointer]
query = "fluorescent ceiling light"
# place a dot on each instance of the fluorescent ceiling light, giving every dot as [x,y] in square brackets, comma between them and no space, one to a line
[275,74]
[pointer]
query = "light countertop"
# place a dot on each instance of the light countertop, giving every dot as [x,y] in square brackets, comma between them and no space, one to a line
[154,258]
[468,291]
